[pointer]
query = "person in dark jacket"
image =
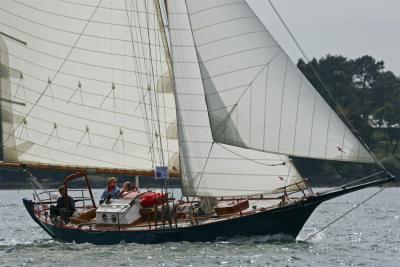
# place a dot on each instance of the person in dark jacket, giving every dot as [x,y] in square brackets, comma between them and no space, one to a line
[65,206]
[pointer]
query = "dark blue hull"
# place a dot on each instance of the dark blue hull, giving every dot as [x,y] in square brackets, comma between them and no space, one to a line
[287,220]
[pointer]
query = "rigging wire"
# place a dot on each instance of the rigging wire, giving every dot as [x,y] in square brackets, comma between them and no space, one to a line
[163,89]
[102,7]
[76,62]
[83,49]
[133,116]
[347,212]
[204,167]
[149,78]
[352,182]
[160,148]
[353,130]
[82,131]
[139,77]
[73,154]
[69,140]
[346,119]
[75,90]
[110,53]
[71,17]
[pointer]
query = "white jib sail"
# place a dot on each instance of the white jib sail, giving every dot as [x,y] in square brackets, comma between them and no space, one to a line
[90,84]
[256,96]
[209,168]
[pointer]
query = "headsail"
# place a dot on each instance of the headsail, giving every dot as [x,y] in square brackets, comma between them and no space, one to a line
[256,96]
[210,168]
[89,83]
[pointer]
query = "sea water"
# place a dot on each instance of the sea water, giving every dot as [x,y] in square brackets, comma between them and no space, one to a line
[369,236]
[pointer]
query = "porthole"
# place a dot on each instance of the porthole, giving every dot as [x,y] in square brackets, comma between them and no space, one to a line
[104,217]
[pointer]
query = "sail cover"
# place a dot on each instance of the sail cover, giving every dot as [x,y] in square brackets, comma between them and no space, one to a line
[90,82]
[256,97]
[210,168]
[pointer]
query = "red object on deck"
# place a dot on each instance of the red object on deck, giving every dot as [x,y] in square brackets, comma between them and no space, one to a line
[150,199]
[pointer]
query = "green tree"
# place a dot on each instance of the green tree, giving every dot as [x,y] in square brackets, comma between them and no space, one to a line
[369,97]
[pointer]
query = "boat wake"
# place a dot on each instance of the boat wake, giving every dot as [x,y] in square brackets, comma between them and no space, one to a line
[259,239]
[315,238]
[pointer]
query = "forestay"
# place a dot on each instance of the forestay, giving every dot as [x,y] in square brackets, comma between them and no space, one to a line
[90,78]
[256,96]
[209,168]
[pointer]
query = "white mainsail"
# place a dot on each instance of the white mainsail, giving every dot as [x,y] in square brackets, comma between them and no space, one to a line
[256,96]
[91,82]
[209,168]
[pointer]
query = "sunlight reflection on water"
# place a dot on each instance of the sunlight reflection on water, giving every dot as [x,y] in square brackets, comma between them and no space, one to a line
[369,236]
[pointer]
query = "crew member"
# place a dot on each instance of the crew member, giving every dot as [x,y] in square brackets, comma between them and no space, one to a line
[111,191]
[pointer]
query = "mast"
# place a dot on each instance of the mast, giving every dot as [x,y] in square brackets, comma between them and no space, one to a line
[164,37]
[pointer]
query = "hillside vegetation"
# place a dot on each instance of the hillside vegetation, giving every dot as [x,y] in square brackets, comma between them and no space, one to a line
[369,96]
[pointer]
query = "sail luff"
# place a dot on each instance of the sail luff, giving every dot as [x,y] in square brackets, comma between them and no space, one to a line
[171,134]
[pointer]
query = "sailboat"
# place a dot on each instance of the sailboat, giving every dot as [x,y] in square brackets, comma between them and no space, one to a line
[179,88]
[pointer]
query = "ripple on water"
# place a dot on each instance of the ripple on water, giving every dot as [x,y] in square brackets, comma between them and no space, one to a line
[367,237]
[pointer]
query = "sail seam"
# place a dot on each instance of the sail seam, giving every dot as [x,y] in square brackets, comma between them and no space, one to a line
[237,53]
[57,72]
[94,108]
[64,31]
[66,45]
[236,70]
[230,37]
[312,123]
[327,132]
[282,98]
[228,89]
[251,82]
[342,113]
[72,18]
[102,7]
[214,7]
[297,114]
[91,146]
[82,131]
[221,22]
[265,106]
[73,154]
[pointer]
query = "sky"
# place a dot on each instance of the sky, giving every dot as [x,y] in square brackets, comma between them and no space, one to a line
[351,28]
